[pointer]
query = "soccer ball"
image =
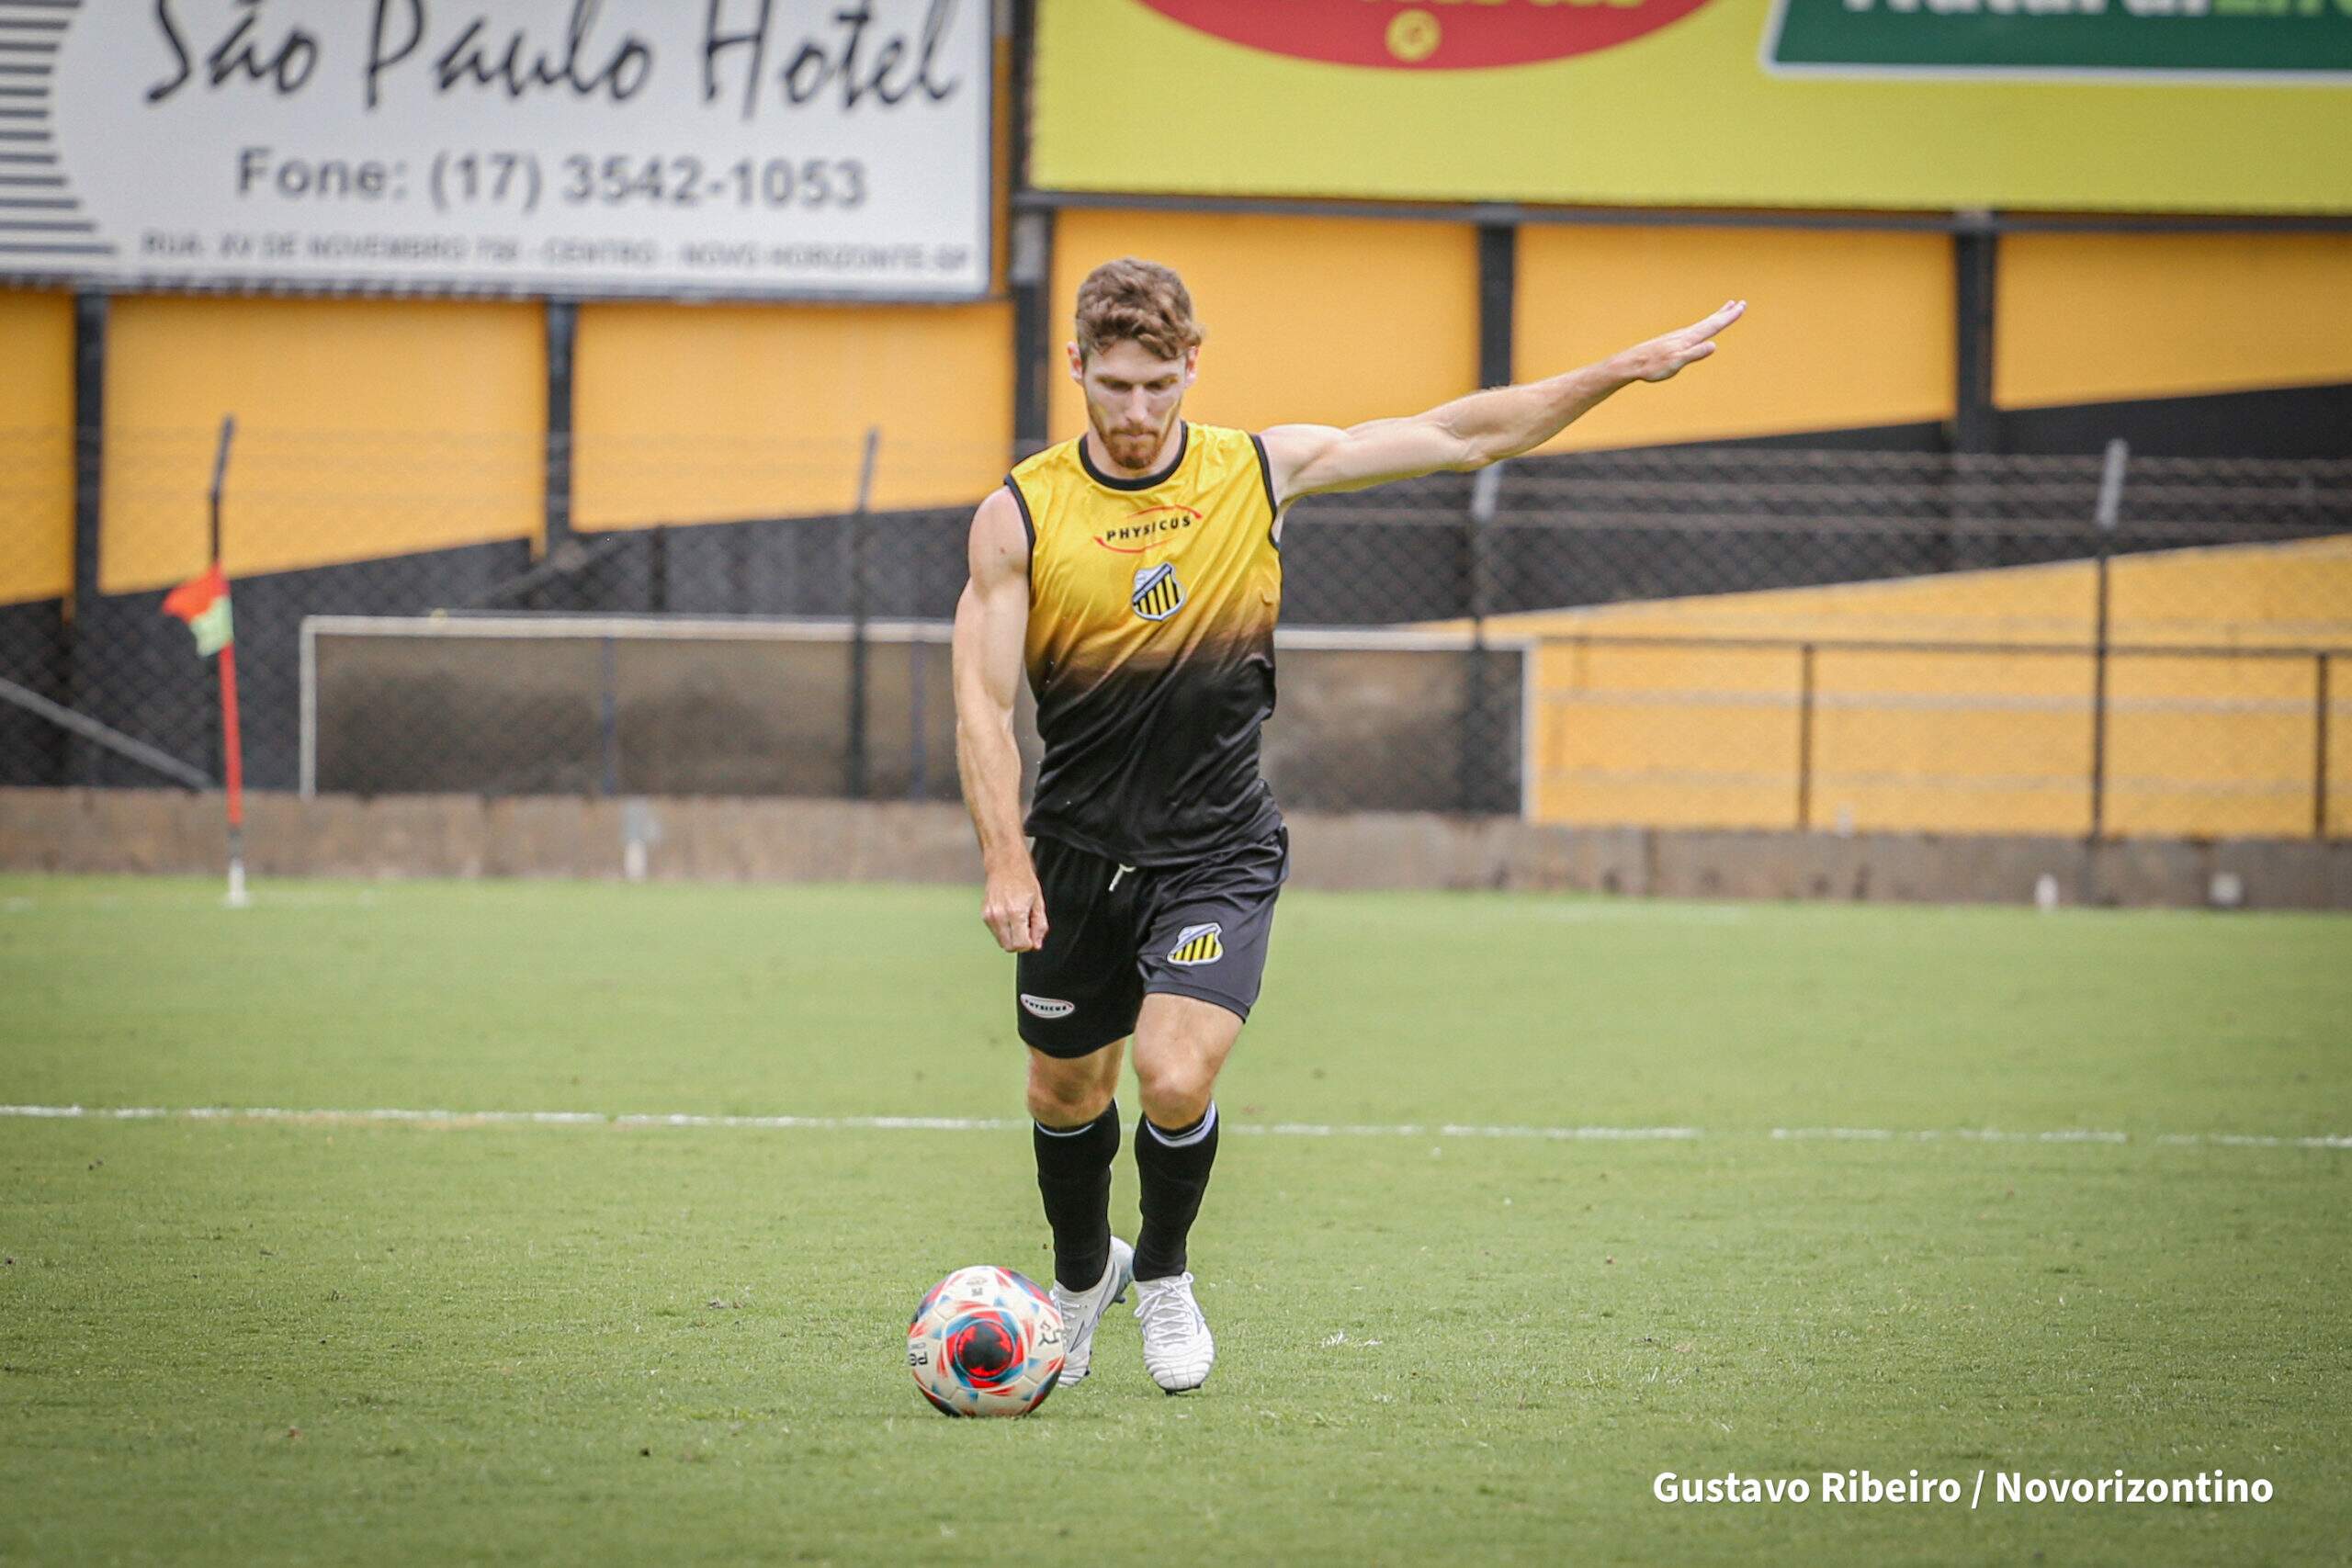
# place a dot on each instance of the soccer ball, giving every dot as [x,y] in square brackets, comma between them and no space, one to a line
[986,1342]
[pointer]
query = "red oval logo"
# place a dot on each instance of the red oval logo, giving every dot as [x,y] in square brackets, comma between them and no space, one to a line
[1427,35]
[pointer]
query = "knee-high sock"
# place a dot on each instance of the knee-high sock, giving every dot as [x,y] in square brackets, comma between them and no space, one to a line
[1074,1176]
[1174,1163]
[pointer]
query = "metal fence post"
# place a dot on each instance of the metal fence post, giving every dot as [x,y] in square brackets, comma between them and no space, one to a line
[1478,760]
[1029,256]
[1497,312]
[2319,747]
[2110,507]
[918,741]
[918,682]
[1028,277]
[1975,262]
[1975,427]
[562,328]
[608,716]
[857,617]
[1804,739]
[79,761]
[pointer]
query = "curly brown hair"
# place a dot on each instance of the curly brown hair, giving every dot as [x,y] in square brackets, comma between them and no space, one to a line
[1139,301]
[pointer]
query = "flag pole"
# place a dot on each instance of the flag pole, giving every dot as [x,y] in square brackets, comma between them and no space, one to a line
[233,752]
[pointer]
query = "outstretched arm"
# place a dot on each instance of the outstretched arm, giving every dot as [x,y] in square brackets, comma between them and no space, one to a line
[1482,428]
[992,621]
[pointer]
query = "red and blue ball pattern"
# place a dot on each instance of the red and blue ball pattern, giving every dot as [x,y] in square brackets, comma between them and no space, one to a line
[985,1341]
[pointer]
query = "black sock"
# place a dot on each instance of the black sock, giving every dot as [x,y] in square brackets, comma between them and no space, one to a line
[1074,1175]
[1174,1163]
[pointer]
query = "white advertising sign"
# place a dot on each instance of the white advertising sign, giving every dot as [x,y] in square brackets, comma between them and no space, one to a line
[775,148]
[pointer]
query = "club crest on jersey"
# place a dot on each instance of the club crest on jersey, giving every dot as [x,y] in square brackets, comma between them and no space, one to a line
[1198,944]
[1158,594]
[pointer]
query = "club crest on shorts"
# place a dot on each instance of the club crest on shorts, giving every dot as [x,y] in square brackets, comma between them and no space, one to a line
[1047,1007]
[1158,594]
[1198,944]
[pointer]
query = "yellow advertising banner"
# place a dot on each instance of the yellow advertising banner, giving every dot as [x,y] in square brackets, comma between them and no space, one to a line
[2149,106]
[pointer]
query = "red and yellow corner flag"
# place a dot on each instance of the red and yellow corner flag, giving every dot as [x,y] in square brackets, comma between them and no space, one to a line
[203,604]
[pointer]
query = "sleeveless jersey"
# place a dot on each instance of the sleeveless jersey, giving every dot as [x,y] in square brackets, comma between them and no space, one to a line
[1150,646]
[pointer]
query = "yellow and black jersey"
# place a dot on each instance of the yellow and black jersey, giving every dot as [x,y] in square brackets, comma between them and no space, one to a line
[1151,647]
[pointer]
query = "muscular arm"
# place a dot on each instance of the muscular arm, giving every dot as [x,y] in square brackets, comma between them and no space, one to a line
[992,621]
[1484,427]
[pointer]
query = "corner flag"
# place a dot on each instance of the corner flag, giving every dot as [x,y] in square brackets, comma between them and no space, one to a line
[203,602]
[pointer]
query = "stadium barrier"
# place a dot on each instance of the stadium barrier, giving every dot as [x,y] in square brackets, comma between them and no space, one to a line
[786,840]
[612,705]
[1730,637]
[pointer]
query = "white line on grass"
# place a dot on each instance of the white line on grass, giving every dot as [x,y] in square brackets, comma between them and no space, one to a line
[2257,1141]
[2061,1135]
[1969,1135]
[444,1118]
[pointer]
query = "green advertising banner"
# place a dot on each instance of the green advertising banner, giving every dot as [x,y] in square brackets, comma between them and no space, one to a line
[2254,40]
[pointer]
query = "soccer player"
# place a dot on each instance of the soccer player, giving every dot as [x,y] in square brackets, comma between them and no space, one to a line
[1134,573]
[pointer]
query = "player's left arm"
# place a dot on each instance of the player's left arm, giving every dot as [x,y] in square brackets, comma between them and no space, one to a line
[1484,427]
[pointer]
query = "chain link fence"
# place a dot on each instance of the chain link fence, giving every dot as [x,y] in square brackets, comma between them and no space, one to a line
[1732,636]
[2081,646]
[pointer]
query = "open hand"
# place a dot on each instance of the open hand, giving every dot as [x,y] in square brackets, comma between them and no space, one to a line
[1659,358]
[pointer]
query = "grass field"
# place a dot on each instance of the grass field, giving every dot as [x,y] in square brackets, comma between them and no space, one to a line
[1446,1334]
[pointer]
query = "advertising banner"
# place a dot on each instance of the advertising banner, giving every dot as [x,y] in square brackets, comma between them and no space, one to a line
[2155,105]
[744,148]
[2256,40]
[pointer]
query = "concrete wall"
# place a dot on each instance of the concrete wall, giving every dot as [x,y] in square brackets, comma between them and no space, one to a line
[1365,851]
[715,840]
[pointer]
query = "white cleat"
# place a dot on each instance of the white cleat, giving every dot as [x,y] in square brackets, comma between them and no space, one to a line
[1178,1350]
[1081,1310]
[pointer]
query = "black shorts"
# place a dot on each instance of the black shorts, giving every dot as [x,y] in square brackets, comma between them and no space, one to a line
[1114,934]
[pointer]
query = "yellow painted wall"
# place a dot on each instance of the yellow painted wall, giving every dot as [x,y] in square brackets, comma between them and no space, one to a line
[708,414]
[2101,318]
[1960,741]
[365,428]
[716,414]
[35,446]
[1843,328]
[1321,321]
